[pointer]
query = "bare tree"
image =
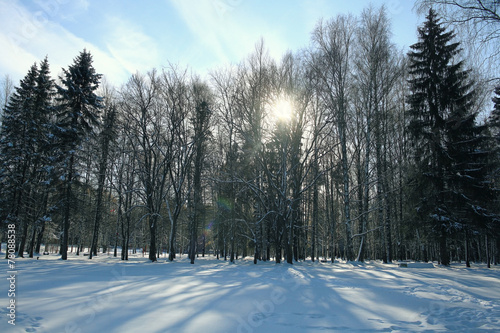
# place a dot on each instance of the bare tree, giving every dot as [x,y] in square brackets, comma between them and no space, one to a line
[175,94]
[143,111]
[106,136]
[483,15]
[478,21]
[230,206]
[376,76]
[6,88]
[252,94]
[124,187]
[333,41]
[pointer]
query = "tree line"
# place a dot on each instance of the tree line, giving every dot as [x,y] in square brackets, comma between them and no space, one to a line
[346,149]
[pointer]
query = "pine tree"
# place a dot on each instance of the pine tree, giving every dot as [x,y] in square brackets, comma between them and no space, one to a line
[77,115]
[440,103]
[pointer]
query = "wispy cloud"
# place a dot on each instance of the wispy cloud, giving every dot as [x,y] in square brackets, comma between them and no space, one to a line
[67,10]
[222,28]
[27,35]
[130,46]
[204,19]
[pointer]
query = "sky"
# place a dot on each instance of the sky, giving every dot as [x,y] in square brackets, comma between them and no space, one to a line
[128,36]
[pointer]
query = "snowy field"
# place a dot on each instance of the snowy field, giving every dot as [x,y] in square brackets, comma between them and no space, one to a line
[108,295]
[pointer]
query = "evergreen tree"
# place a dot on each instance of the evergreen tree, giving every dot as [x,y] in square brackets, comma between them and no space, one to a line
[42,165]
[77,115]
[200,122]
[25,131]
[470,190]
[494,159]
[441,125]
[16,149]
[495,114]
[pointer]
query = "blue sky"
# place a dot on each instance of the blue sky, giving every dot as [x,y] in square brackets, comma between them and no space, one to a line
[128,36]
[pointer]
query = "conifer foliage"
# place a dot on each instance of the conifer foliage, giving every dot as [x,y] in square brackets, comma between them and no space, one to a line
[447,142]
[495,114]
[23,141]
[77,116]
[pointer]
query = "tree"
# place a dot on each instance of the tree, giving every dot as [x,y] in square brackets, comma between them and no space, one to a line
[106,137]
[495,114]
[16,143]
[471,188]
[225,87]
[484,15]
[6,89]
[143,112]
[478,21]
[334,41]
[43,167]
[376,74]
[253,88]
[125,184]
[494,123]
[78,114]
[296,139]
[440,103]
[200,122]
[179,148]
[24,140]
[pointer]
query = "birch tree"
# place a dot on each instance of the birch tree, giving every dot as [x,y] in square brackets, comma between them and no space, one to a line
[333,41]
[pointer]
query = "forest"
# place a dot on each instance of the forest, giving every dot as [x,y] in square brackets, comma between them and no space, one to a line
[348,148]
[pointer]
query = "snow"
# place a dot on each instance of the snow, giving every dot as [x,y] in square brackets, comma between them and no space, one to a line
[106,294]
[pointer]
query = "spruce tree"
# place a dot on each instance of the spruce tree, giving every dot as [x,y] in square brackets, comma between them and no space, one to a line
[494,158]
[43,166]
[200,122]
[78,114]
[471,192]
[440,110]
[494,120]
[16,141]
[24,134]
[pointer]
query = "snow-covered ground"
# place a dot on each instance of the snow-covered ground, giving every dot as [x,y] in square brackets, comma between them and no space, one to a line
[108,295]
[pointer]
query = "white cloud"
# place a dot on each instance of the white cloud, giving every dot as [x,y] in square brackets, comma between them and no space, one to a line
[224,29]
[67,10]
[27,37]
[203,19]
[132,48]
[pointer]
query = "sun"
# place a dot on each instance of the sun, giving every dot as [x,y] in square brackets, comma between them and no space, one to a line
[282,109]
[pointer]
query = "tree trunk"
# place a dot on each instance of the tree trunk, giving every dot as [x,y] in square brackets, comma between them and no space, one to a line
[347,204]
[487,246]
[24,235]
[315,214]
[467,256]
[32,243]
[39,238]
[443,248]
[66,213]
[152,241]
[171,250]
